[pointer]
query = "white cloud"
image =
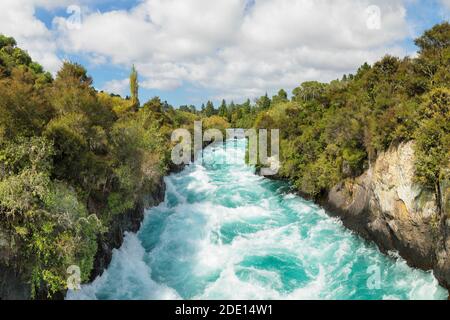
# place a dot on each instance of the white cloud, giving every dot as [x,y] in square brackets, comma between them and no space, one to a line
[162,84]
[446,3]
[17,19]
[117,86]
[234,47]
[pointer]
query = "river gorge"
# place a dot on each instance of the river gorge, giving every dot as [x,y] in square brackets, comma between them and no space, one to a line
[223,232]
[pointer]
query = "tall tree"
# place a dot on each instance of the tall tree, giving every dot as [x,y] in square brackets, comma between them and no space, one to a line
[280,97]
[209,110]
[192,109]
[223,111]
[230,110]
[134,88]
[263,102]
[246,106]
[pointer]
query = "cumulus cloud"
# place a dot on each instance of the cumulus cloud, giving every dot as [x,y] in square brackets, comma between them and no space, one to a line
[446,3]
[234,48]
[117,86]
[17,19]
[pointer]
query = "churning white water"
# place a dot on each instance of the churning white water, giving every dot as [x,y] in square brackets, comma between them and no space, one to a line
[225,233]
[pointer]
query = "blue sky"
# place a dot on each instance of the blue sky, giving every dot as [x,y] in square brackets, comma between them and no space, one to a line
[189,51]
[422,15]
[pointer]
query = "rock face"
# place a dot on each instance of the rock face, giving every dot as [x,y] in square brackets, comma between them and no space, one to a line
[386,206]
[12,287]
[130,221]
[11,284]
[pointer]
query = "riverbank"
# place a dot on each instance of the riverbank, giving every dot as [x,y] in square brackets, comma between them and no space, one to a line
[130,221]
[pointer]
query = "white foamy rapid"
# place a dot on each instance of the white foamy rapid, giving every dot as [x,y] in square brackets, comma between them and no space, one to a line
[225,233]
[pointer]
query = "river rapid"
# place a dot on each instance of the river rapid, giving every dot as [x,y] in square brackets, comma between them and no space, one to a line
[225,233]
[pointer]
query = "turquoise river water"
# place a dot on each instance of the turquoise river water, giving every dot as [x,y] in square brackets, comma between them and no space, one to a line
[225,233]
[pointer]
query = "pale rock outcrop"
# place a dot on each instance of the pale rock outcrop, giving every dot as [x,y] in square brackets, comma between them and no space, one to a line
[386,205]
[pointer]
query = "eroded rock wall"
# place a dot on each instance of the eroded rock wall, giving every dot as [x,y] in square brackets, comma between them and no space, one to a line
[386,205]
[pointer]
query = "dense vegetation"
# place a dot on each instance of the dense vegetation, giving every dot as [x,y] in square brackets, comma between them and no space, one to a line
[72,158]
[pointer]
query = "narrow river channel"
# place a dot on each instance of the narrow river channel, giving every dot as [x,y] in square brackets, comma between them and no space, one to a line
[225,233]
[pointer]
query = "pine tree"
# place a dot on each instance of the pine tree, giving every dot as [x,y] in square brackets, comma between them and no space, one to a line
[209,110]
[264,102]
[247,106]
[280,97]
[230,110]
[223,112]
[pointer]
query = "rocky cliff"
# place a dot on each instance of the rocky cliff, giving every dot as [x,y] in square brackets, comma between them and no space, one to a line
[386,206]
[130,221]
[12,285]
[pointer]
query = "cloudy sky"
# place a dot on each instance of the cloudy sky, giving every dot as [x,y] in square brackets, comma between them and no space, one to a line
[189,51]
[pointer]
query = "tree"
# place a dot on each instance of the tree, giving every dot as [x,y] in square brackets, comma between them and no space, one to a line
[155,105]
[435,39]
[280,97]
[433,139]
[223,110]
[184,108]
[434,58]
[134,89]
[166,107]
[386,68]
[24,110]
[209,110]
[73,92]
[309,91]
[230,110]
[73,74]
[7,41]
[246,107]
[263,102]
[362,70]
